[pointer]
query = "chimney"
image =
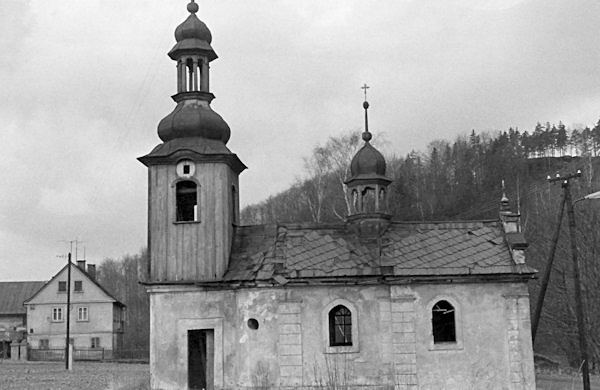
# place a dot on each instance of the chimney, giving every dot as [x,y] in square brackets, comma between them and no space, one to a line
[91,270]
[81,264]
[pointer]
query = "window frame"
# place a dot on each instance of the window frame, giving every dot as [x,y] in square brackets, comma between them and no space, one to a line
[62,283]
[95,343]
[345,323]
[326,335]
[44,344]
[83,309]
[80,282]
[57,314]
[197,215]
[445,345]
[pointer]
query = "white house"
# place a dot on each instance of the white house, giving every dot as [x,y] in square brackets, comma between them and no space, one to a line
[96,321]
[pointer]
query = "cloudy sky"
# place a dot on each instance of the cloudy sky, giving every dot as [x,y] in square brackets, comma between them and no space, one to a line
[83,85]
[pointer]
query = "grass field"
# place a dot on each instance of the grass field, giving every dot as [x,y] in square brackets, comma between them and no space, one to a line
[115,376]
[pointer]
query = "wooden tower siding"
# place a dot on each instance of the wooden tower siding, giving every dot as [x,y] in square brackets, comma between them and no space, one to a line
[192,250]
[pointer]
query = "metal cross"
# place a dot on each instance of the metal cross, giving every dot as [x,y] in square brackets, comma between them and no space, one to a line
[365,87]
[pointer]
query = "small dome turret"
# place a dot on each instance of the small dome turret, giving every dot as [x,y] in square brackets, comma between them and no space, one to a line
[367,163]
[193,27]
[367,185]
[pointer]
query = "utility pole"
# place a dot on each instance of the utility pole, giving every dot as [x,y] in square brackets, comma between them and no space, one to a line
[68,364]
[579,310]
[68,357]
[546,277]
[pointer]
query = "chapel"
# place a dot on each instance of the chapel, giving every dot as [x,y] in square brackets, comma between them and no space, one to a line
[372,302]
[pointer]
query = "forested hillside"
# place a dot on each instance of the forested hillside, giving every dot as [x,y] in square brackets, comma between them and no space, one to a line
[462,180]
[450,180]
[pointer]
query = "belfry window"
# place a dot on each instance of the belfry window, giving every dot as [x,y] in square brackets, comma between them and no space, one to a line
[443,321]
[187,201]
[340,326]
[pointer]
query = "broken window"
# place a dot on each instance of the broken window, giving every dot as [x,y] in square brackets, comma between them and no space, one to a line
[443,321]
[340,326]
[62,286]
[187,201]
[78,286]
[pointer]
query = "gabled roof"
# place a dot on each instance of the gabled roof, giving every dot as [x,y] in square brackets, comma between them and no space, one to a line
[93,280]
[302,251]
[13,294]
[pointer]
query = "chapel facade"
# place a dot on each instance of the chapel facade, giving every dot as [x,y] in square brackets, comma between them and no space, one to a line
[370,302]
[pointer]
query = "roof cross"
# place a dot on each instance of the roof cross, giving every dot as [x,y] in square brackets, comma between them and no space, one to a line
[365,87]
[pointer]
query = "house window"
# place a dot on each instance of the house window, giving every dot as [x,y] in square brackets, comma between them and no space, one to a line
[187,201]
[57,314]
[82,314]
[340,326]
[78,286]
[95,342]
[443,322]
[44,344]
[62,286]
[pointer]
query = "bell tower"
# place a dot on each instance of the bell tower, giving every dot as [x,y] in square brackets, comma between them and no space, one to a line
[193,203]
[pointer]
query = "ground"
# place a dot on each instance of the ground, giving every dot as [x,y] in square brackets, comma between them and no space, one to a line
[115,376]
[88,376]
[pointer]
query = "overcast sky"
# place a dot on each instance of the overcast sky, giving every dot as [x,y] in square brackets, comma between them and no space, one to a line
[83,85]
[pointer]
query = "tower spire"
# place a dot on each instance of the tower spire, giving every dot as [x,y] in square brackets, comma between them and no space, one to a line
[366,136]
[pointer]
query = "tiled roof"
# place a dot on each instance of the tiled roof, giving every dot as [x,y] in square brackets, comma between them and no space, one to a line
[13,294]
[291,251]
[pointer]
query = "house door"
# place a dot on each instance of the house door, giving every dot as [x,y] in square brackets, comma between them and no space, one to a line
[201,344]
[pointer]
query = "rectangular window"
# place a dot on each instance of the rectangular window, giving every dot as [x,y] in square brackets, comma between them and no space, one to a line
[44,344]
[95,342]
[62,286]
[78,286]
[57,314]
[82,314]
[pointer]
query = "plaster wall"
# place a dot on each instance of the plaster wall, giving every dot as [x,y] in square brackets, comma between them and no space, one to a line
[392,336]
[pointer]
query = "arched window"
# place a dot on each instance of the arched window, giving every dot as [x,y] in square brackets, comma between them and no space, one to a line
[368,200]
[187,201]
[340,326]
[443,321]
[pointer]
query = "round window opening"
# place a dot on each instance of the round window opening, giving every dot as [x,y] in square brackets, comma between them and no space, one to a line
[253,323]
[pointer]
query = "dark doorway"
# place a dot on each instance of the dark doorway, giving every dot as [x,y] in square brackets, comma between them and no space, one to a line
[201,359]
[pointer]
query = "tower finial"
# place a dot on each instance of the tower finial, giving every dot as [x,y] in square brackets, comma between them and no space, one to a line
[192,7]
[366,136]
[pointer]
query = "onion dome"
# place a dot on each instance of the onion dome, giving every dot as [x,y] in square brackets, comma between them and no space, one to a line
[193,27]
[192,36]
[193,118]
[367,163]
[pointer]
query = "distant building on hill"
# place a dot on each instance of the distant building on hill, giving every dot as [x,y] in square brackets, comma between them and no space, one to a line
[13,316]
[369,302]
[96,322]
